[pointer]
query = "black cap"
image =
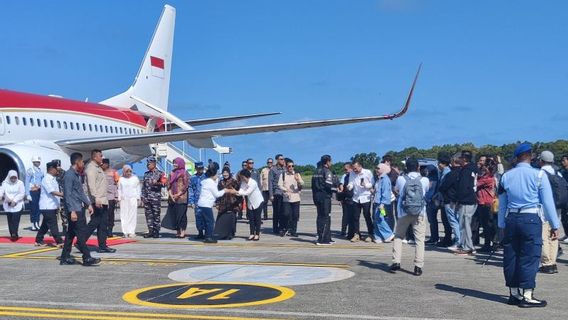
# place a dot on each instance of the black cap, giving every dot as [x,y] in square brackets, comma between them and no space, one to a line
[57,162]
[106,161]
[51,164]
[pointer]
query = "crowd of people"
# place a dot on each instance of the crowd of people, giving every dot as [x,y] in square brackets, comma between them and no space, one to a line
[474,200]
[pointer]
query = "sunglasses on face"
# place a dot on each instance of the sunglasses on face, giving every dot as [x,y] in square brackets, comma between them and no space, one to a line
[269,162]
[290,166]
[250,162]
[280,159]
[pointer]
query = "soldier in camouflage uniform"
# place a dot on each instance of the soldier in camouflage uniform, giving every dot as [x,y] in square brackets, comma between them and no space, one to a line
[61,212]
[152,197]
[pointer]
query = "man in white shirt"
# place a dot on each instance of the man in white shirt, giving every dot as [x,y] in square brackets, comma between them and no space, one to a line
[49,205]
[410,212]
[549,246]
[361,183]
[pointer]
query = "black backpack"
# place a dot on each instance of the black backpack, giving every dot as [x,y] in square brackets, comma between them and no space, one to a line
[559,190]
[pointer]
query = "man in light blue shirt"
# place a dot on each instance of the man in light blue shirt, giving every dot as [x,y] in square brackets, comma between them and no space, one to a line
[525,201]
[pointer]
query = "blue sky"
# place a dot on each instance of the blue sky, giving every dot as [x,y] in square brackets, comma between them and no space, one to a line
[494,71]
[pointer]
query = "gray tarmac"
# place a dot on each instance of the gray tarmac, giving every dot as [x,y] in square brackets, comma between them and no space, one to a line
[356,282]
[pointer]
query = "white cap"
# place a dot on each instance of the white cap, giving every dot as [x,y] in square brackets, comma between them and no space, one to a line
[36,159]
[547,156]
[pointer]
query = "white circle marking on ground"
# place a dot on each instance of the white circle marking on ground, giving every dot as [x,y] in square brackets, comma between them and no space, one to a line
[276,275]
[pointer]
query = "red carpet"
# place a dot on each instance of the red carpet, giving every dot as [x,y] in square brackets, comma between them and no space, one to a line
[49,240]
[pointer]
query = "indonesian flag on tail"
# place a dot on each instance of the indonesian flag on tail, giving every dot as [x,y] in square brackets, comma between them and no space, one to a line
[157,67]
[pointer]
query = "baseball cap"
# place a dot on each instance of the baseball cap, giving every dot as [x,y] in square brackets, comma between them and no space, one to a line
[546,156]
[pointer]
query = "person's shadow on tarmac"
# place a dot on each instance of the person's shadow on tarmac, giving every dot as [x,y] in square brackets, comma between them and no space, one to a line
[473,293]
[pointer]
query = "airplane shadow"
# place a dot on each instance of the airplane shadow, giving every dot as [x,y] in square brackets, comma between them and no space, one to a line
[473,293]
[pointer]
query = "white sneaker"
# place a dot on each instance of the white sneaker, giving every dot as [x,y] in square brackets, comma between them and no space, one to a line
[404,241]
[453,247]
[411,242]
[378,241]
[389,239]
[565,240]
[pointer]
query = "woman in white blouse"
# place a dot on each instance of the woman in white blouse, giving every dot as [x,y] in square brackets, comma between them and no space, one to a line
[13,192]
[207,197]
[249,188]
[129,197]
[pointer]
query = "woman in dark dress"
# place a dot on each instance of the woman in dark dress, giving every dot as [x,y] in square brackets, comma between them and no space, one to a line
[177,198]
[227,207]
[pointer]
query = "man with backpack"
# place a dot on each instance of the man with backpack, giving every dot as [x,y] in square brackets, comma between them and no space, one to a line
[560,194]
[411,211]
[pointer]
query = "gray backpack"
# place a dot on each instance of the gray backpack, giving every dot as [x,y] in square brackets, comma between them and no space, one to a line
[413,196]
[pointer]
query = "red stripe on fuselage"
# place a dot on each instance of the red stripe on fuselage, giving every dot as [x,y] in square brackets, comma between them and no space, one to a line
[13,99]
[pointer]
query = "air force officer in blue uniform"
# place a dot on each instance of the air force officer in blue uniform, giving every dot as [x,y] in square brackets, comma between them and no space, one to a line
[525,201]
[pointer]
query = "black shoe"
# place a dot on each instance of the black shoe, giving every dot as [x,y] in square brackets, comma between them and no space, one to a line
[443,244]
[282,233]
[532,303]
[546,269]
[106,250]
[209,240]
[91,262]
[148,235]
[394,267]
[417,271]
[14,238]
[555,268]
[67,261]
[156,235]
[485,249]
[431,241]
[294,234]
[199,237]
[513,301]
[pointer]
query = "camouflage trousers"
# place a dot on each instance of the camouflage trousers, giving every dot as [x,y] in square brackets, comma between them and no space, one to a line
[62,217]
[152,213]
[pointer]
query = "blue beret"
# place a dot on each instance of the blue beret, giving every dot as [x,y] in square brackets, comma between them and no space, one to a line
[522,148]
[199,164]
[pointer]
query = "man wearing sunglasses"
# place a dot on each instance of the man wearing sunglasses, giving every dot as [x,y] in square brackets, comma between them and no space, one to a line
[276,195]
[264,174]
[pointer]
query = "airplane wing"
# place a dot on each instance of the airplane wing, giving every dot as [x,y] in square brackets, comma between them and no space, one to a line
[125,141]
[206,121]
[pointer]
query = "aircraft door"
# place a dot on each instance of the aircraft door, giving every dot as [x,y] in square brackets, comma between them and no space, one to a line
[2,124]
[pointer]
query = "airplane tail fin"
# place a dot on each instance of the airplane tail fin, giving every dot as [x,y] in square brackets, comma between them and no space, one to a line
[152,83]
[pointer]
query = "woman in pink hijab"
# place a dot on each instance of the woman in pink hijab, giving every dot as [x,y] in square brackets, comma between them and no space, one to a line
[177,199]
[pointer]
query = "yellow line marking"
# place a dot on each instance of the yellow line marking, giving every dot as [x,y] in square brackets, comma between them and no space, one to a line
[29,252]
[104,315]
[132,296]
[168,261]
[267,245]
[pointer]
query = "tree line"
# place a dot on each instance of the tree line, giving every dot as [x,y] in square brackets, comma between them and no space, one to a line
[371,159]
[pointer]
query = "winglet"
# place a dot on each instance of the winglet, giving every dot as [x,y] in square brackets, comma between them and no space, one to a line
[409,98]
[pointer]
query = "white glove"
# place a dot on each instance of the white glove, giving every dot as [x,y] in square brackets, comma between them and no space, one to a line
[29,197]
[350,187]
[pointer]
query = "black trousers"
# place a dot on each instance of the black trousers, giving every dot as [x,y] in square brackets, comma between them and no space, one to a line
[99,220]
[255,220]
[276,212]
[76,229]
[346,217]
[564,220]
[49,223]
[13,222]
[292,213]
[265,196]
[323,220]
[111,216]
[487,222]
[366,208]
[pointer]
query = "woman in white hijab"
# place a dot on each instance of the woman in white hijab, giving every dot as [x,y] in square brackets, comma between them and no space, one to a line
[13,192]
[129,197]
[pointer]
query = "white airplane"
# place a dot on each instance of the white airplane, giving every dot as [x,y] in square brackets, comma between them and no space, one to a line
[124,126]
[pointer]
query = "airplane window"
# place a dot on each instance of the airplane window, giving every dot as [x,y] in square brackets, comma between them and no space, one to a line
[106,129]
[8,119]
[71,124]
[90,127]
[45,123]
[84,127]
[51,123]
[65,125]
[78,126]
[101,128]
[96,128]
[31,122]
[17,120]
[24,121]
[38,122]
[111,131]
[120,130]
[58,124]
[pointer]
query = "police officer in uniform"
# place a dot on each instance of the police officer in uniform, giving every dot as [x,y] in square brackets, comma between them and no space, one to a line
[324,183]
[525,201]
[152,197]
